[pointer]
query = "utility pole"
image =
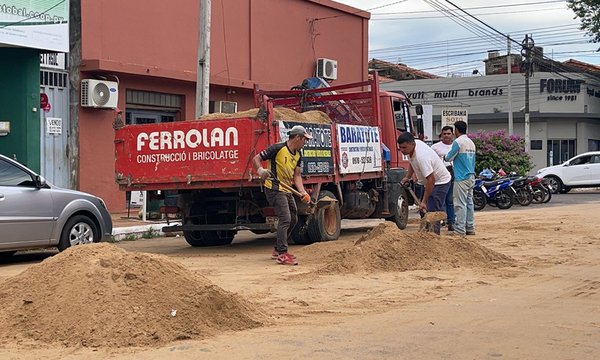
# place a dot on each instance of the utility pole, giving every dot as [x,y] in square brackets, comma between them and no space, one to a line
[510,108]
[528,44]
[203,67]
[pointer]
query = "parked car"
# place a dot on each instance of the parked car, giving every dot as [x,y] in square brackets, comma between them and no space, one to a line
[34,213]
[581,171]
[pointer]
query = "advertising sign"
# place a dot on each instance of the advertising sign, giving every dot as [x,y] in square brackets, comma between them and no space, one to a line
[53,126]
[360,148]
[39,24]
[450,116]
[317,154]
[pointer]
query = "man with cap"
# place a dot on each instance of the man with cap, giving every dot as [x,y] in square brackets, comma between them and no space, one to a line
[283,165]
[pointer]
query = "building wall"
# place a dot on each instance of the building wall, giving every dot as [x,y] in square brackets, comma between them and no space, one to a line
[273,43]
[20,102]
[555,115]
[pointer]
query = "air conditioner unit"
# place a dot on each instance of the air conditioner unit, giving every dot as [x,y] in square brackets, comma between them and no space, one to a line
[228,107]
[99,94]
[327,69]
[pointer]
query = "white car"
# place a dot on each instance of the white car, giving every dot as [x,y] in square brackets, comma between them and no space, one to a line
[581,171]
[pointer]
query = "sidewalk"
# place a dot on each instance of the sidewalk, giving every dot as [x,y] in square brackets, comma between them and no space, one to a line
[124,227]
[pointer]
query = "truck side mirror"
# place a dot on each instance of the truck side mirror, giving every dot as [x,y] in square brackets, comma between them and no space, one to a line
[419,109]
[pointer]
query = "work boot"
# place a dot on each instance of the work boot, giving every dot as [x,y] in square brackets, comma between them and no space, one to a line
[470,231]
[450,226]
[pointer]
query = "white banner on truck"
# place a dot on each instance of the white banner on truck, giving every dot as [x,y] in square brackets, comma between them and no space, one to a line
[360,148]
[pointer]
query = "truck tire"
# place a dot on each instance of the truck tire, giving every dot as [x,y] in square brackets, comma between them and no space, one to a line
[209,237]
[398,205]
[300,232]
[326,223]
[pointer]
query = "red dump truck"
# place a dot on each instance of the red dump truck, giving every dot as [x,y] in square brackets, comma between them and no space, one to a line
[353,158]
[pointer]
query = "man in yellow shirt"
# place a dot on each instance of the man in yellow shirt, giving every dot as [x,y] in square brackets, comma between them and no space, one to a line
[283,166]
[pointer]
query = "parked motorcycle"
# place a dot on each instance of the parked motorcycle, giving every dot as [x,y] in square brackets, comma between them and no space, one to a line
[495,192]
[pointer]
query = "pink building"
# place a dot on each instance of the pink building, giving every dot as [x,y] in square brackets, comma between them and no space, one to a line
[150,46]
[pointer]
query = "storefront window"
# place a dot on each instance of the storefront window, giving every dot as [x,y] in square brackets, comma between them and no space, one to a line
[593,145]
[560,151]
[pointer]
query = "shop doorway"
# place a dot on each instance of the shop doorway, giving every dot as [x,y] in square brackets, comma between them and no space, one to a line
[560,151]
[54,118]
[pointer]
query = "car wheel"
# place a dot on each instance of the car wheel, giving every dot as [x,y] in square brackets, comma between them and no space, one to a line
[78,230]
[555,184]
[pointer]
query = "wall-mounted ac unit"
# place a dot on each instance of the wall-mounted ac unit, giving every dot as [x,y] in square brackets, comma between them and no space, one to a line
[327,69]
[228,107]
[99,94]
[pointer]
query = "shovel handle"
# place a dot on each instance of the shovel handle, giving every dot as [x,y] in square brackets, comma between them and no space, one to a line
[412,193]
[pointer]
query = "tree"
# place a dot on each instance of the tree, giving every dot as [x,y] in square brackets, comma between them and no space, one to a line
[497,151]
[588,11]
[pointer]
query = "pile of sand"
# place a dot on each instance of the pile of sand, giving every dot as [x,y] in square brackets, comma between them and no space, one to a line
[387,248]
[279,113]
[100,295]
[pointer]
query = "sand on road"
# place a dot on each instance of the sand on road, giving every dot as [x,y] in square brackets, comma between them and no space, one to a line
[532,293]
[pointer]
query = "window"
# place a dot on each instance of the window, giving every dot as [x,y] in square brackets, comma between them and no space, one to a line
[11,175]
[596,159]
[560,151]
[582,160]
[593,145]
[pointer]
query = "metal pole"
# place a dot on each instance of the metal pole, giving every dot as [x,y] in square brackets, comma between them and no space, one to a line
[528,45]
[203,69]
[510,104]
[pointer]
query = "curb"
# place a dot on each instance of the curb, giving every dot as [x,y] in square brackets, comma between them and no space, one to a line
[137,231]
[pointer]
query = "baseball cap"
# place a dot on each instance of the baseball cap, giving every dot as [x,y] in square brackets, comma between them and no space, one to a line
[299,130]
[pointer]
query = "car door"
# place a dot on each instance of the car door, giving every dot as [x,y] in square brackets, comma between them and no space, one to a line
[595,167]
[577,171]
[26,211]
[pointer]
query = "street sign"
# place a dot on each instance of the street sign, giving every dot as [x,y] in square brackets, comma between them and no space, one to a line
[43,100]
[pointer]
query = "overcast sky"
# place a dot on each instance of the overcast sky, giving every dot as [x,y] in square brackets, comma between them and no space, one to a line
[425,39]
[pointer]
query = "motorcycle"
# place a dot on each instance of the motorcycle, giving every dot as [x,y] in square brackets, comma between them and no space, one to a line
[495,192]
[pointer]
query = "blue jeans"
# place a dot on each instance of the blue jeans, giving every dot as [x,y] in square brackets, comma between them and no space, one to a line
[435,202]
[450,204]
[463,204]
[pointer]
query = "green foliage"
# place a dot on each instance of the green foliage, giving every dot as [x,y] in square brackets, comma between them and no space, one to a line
[588,11]
[150,233]
[129,237]
[496,151]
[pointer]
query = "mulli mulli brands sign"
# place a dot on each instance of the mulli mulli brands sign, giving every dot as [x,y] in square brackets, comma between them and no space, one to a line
[449,94]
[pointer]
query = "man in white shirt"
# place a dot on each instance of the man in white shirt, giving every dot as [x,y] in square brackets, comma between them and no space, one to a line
[430,171]
[442,148]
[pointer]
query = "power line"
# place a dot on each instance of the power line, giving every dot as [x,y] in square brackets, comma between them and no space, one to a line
[481,14]
[472,8]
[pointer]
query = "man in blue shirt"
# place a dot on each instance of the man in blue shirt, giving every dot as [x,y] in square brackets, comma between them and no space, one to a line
[462,155]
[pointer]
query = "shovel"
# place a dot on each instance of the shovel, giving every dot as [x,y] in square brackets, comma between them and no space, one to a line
[320,204]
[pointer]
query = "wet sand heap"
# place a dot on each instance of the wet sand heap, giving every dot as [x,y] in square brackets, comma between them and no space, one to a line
[100,295]
[387,248]
[279,113]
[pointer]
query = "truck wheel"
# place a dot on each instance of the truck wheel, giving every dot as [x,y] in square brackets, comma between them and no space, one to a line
[326,223]
[399,207]
[209,238]
[78,230]
[300,232]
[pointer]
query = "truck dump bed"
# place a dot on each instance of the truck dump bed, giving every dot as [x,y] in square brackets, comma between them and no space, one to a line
[218,153]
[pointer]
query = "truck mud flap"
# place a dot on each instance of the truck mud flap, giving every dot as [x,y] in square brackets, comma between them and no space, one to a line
[225,227]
